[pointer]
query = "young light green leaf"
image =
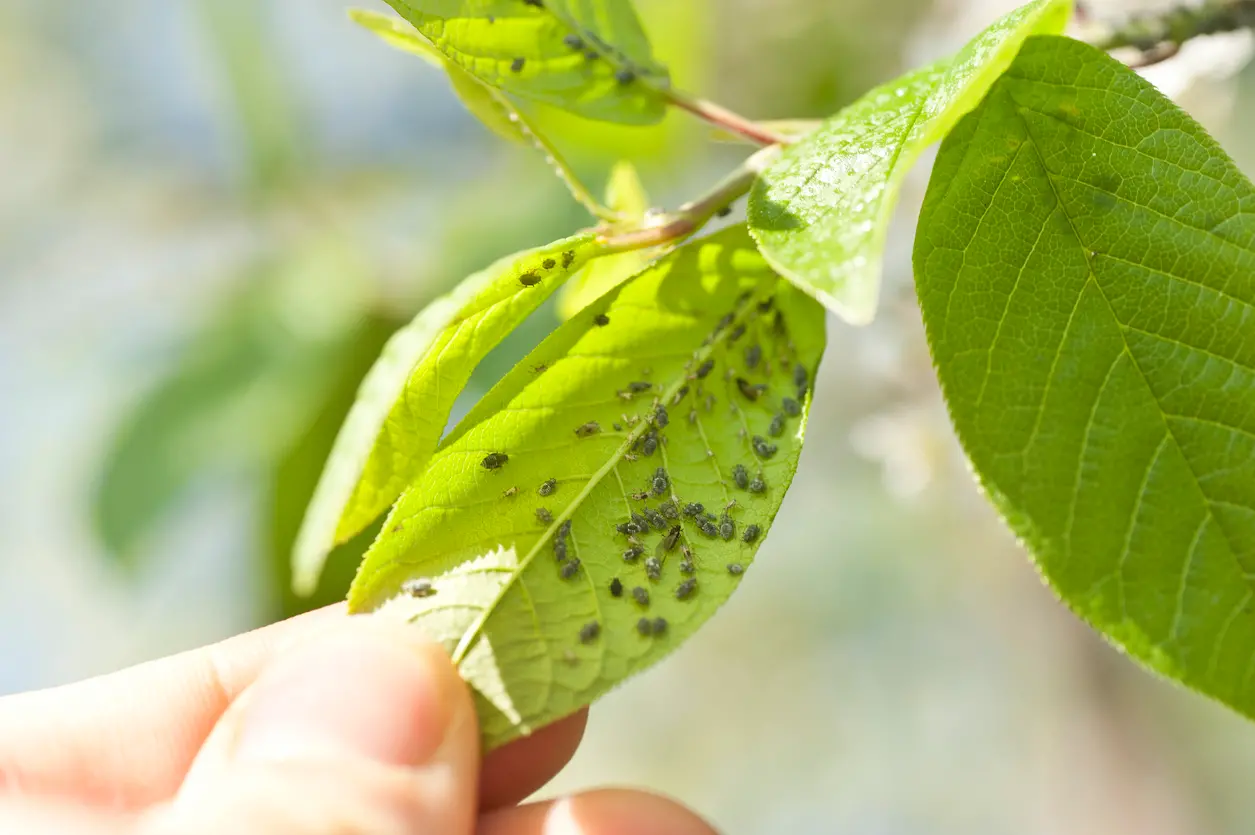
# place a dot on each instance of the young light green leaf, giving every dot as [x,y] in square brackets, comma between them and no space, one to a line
[820,212]
[679,388]
[589,57]
[491,106]
[404,402]
[1086,267]
[626,198]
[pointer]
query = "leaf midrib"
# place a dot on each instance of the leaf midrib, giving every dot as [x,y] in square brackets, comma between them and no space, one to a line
[474,632]
[1093,278]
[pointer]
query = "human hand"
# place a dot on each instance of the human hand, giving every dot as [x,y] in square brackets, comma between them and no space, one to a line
[321,724]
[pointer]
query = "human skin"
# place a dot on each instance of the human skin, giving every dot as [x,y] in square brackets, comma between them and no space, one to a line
[318,725]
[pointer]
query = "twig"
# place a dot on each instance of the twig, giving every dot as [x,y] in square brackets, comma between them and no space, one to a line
[1159,36]
[726,119]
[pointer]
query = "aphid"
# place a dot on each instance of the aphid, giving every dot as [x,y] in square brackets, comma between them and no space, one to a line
[592,55]
[494,460]
[631,420]
[693,509]
[723,323]
[660,417]
[801,392]
[800,377]
[517,64]
[616,587]
[492,18]
[630,457]
[751,533]
[736,334]
[710,402]
[589,632]
[540,369]
[653,568]
[736,569]
[750,390]
[418,588]
[639,386]
[686,566]
[777,426]
[741,476]
[692,416]
[570,569]
[564,530]
[544,516]
[547,487]
[727,528]
[641,522]
[618,427]
[659,626]
[645,627]
[641,595]
[668,510]
[679,395]
[537,3]
[704,369]
[510,492]
[723,211]
[601,320]
[587,430]
[649,444]
[753,354]
[758,485]
[765,305]
[763,449]
[549,263]
[530,278]
[655,519]
[707,528]
[573,41]
[640,496]
[633,554]
[685,590]
[567,258]
[669,541]
[624,76]
[791,407]
[660,481]
[559,550]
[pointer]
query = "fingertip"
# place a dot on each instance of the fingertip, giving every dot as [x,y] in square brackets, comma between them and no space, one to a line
[600,812]
[514,772]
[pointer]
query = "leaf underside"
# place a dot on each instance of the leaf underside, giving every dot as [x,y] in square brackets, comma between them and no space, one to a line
[820,213]
[1086,268]
[404,402]
[589,57]
[512,606]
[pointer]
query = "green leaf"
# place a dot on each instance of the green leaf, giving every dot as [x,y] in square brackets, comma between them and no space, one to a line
[404,402]
[1086,267]
[625,196]
[589,57]
[514,616]
[820,213]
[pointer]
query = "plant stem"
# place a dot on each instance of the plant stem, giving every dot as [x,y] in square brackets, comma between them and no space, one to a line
[1159,36]
[726,119]
[674,227]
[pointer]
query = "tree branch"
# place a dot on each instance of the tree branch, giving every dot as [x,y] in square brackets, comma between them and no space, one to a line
[1159,36]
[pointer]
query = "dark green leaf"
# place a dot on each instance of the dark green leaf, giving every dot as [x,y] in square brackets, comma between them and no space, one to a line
[1086,268]
[515,616]
[820,212]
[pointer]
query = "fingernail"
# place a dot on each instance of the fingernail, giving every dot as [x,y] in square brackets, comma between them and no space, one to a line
[368,692]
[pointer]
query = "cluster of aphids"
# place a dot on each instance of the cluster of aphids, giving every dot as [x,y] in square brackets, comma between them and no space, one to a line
[674,522]
[592,47]
[532,277]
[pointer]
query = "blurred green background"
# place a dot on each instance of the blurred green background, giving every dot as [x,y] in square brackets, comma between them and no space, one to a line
[213,212]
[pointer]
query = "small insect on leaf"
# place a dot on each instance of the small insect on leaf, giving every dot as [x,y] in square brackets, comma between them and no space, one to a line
[544,516]
[659,626]
[680,394]
[510,492]
[633,554]
[704,369]
[736,334]
[517,64]
[616,587]
[800,376]
[661,419]
[494,460]
[751,533]
[750,391]
[758,485]
[529,279]
[660,482]
[589,632]
[694,509]
[547,487]
[668,510]
[685,590]
[624,76]
[639,386]
[641,595]
[601,320]
[727,528]
[736,569]
[753,355]
[723,211]
[549,263]
[418,588]
[570,569]
[587,430]
[790,406]
[573,41]
[567,258]
[777,426]
[762,448]
[645,627]
[741,476]
[653,568]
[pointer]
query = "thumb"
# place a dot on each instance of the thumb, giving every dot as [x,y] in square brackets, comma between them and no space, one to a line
[367,729]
